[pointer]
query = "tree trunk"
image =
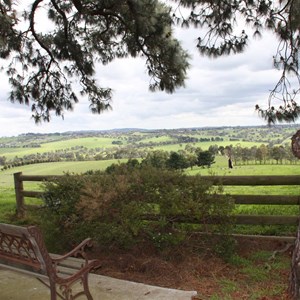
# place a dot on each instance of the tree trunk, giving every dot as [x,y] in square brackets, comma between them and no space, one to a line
[295,272]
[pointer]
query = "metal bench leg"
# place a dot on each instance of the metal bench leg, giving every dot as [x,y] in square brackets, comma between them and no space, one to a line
[86,286]
[53,291]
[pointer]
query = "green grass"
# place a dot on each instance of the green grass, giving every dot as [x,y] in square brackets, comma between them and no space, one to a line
[7,203]
[157,139]
[92,142]
[7,197]
[220,168]
[55,168]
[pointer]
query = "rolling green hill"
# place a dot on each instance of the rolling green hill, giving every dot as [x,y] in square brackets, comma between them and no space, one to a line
[168,140]
[91,146]
[55,168]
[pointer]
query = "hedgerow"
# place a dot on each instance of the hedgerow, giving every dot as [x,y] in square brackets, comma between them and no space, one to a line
[130,205]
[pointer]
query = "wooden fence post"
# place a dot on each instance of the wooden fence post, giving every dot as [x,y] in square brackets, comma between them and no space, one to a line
[19,194]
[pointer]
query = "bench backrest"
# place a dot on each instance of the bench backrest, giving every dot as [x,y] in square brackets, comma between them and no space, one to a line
[24,248]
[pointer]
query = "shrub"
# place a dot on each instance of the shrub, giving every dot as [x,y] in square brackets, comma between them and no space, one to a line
[131,205]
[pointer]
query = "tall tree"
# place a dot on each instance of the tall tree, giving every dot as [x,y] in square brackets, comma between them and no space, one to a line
[177,161]
[205,159]
[278,153]
[80,33]
[156,158]
[44,64]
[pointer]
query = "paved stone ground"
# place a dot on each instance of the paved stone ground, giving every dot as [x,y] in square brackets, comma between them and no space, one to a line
[17,286]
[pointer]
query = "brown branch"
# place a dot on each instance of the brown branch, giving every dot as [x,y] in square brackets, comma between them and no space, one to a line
[61,12]
[35,35]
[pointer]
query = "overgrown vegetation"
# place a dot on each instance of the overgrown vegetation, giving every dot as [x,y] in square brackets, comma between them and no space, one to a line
[127,205]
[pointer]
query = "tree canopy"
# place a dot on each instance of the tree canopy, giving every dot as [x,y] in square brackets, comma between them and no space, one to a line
[46,63]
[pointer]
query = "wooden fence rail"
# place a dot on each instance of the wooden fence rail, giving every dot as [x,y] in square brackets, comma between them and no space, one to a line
[19,178]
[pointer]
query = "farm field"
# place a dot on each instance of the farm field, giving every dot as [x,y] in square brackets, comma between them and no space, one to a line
[166,140]
[88,143]
[106,144]
[55,168]
[219,168]
[7,194]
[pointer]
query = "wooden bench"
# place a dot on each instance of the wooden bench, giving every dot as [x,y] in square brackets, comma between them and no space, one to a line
[23,249]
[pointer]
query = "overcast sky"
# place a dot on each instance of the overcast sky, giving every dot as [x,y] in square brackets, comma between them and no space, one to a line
[219,92]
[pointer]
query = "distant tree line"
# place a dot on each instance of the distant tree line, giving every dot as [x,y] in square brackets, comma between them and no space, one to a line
[178,139]
[160,159]
[188,157]
[263,154]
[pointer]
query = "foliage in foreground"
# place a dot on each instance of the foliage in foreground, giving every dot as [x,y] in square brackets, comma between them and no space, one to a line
[131,205]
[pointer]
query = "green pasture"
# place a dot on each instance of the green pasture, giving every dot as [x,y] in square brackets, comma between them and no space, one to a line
[106,142]
[89,142]
[220,168]
[205,145]
[54,168]
[157,139]
[7,194]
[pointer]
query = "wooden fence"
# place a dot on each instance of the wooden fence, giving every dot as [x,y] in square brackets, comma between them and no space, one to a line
[19,178]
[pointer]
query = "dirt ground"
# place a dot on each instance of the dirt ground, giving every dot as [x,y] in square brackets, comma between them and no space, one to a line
[188,268]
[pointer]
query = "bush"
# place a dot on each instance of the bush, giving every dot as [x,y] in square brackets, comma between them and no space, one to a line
[128,205]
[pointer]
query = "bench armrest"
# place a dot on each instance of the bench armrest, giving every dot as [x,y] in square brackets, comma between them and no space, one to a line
[77,251]
[79,273]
